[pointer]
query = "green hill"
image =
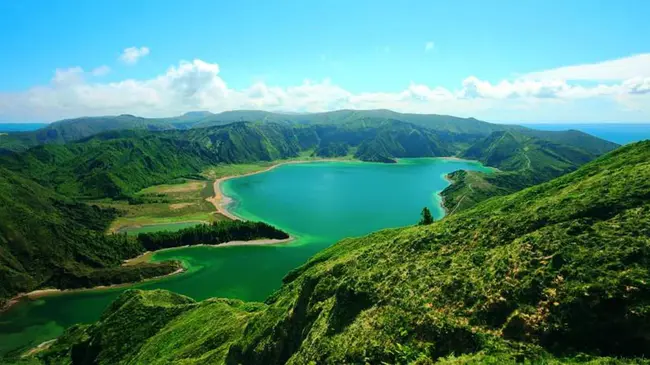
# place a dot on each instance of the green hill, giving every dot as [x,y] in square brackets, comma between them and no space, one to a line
[559,272]
[119,163]
[70,130]
[47,240]
[432,121]
[74,129]
[524,159]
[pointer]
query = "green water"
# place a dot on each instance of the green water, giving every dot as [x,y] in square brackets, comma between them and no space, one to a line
[169,227]
[319,203]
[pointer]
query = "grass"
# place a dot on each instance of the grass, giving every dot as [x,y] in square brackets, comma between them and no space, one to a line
[165,204]
[219,171]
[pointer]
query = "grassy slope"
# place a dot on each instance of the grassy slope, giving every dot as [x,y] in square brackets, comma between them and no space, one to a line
[524,160]
[544,274]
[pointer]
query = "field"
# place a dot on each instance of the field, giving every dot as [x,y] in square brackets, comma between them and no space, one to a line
[164,204]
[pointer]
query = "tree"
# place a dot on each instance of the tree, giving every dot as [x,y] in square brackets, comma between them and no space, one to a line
[427,218]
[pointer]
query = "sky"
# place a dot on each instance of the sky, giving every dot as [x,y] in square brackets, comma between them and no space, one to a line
[507,61]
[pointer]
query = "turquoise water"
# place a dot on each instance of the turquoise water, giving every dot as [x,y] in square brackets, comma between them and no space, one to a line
[319,203]
[20,127]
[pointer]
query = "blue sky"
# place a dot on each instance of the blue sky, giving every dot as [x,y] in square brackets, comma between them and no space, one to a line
[465,58]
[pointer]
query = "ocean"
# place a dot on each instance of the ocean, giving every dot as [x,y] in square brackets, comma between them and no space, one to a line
[20,127]
[622,133]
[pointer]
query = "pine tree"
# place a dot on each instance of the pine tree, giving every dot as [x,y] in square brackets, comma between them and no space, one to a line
[427,218]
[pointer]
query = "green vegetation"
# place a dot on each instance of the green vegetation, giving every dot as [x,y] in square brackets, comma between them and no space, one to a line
[556,273]
[71,130]
[119,163]
[224,170]
[164,204]
[523,160]
[427,218]
[210,234]
[47,240]
[76,129]
[50,241]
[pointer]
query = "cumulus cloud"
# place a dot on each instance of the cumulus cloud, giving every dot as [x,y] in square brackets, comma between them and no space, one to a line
[198,85]
[428,46]
[132,55]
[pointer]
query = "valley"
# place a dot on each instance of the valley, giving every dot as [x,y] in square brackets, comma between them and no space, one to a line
[316,202]
[313,270]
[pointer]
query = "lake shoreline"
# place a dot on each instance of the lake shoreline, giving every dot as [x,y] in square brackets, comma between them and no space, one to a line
[442,198]
[221,200]
[40,293]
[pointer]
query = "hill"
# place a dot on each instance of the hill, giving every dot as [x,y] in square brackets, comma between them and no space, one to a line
[524,159]
[118,163]
[434,122]
[70,130]
[554,273]
[74,129]
[47,240]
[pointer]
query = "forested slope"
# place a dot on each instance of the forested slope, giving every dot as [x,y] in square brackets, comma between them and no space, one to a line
[559,272]
[47,240]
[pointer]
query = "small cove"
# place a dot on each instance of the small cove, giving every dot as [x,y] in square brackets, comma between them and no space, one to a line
[318,203]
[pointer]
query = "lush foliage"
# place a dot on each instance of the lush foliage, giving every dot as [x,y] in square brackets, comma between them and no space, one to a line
[523,160]
[49,241]
[117,164]
[559,272]
[210,234]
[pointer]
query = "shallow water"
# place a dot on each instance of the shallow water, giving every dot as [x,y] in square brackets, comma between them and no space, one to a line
[319,203]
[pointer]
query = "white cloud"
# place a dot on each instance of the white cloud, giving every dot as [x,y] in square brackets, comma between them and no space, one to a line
[428,46]
[613,70]
[101,70]
[198,85]
[132,55]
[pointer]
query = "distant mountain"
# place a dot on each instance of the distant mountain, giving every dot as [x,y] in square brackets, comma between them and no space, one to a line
[432,121]
[74,129]
[119,163]
[556,273]
[70,130]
